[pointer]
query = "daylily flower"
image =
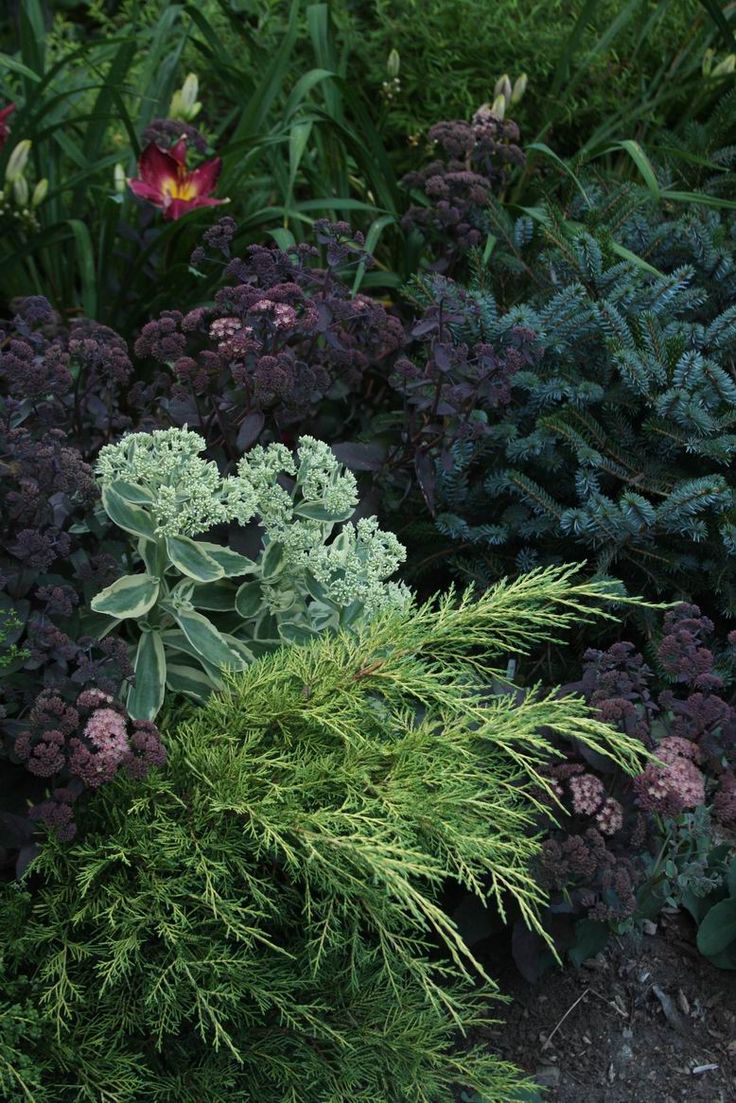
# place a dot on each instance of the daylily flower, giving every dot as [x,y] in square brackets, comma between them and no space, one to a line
[164,180]
[4,128]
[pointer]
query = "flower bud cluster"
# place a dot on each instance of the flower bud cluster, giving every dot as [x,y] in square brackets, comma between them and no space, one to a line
[17,201]
[476,161]
[282,345]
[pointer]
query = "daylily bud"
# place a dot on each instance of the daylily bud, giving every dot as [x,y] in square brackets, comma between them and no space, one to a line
[20,191]
[184,103]
[725,67]
[189,91]
[503,87]
[708,58]
[393,64]
[519,88]
[18,160]
[120,179]
[40,192]
[498,107]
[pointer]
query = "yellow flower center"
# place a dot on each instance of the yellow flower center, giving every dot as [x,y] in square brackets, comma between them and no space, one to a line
[180,189]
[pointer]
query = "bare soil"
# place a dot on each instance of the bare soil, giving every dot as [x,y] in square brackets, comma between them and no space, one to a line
[647,1021]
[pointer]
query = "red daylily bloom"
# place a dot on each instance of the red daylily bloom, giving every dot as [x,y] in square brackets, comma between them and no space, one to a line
[4,128]
[165,181]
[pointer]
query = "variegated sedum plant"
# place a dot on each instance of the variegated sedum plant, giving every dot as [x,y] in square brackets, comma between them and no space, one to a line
[196,609]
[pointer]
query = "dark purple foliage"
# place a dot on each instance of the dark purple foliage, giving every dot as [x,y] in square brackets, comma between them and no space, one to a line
[686,718]
[281,344]
[475,162]
[57,386]
[75,378]
[451,390]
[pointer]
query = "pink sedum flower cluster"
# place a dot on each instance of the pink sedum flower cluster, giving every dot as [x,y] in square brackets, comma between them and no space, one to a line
[83,746]
[677,785]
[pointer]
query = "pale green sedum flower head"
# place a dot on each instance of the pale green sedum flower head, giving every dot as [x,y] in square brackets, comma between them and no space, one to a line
[189,495]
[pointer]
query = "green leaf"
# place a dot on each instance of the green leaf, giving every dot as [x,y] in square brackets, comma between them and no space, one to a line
[127,515]
[130,596]
[146,695]
[314,588]
[192,560]
[205,639]
[266,628]
[85,265]
[134,492]
[716,13]
[642,162]
[233,563]
[292,631]
[273,561]
[249,600]
[590,937]
[217,597]
[541,147]
[717,934]
[318,511]
[239,646]
[188,680]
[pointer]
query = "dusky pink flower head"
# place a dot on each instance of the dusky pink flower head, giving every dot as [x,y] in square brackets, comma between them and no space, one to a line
[165,181]
[587,794]
[610,817]
[675,746]
[677,785]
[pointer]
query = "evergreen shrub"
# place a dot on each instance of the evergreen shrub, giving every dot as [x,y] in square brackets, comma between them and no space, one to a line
[261,919]
[619,435]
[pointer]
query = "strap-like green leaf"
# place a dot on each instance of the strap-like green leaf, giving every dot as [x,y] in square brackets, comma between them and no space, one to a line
[146,695]
[206,640]
[188,680]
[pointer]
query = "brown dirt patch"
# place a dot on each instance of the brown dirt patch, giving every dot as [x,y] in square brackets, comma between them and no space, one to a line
[647,1021]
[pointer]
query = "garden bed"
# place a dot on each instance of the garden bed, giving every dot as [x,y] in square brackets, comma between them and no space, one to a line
[649,1020]
[368,557]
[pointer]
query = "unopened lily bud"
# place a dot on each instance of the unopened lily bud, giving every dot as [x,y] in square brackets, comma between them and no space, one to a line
[393,64]
[184,103]
[18,160]
[190,91]
[40,192]
[708,58]
[120,179]
[519,88]
[498,107]
[503,88]
[20,191]
[725,67]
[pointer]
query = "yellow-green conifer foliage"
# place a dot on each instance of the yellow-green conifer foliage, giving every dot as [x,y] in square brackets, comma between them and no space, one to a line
[260,920]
